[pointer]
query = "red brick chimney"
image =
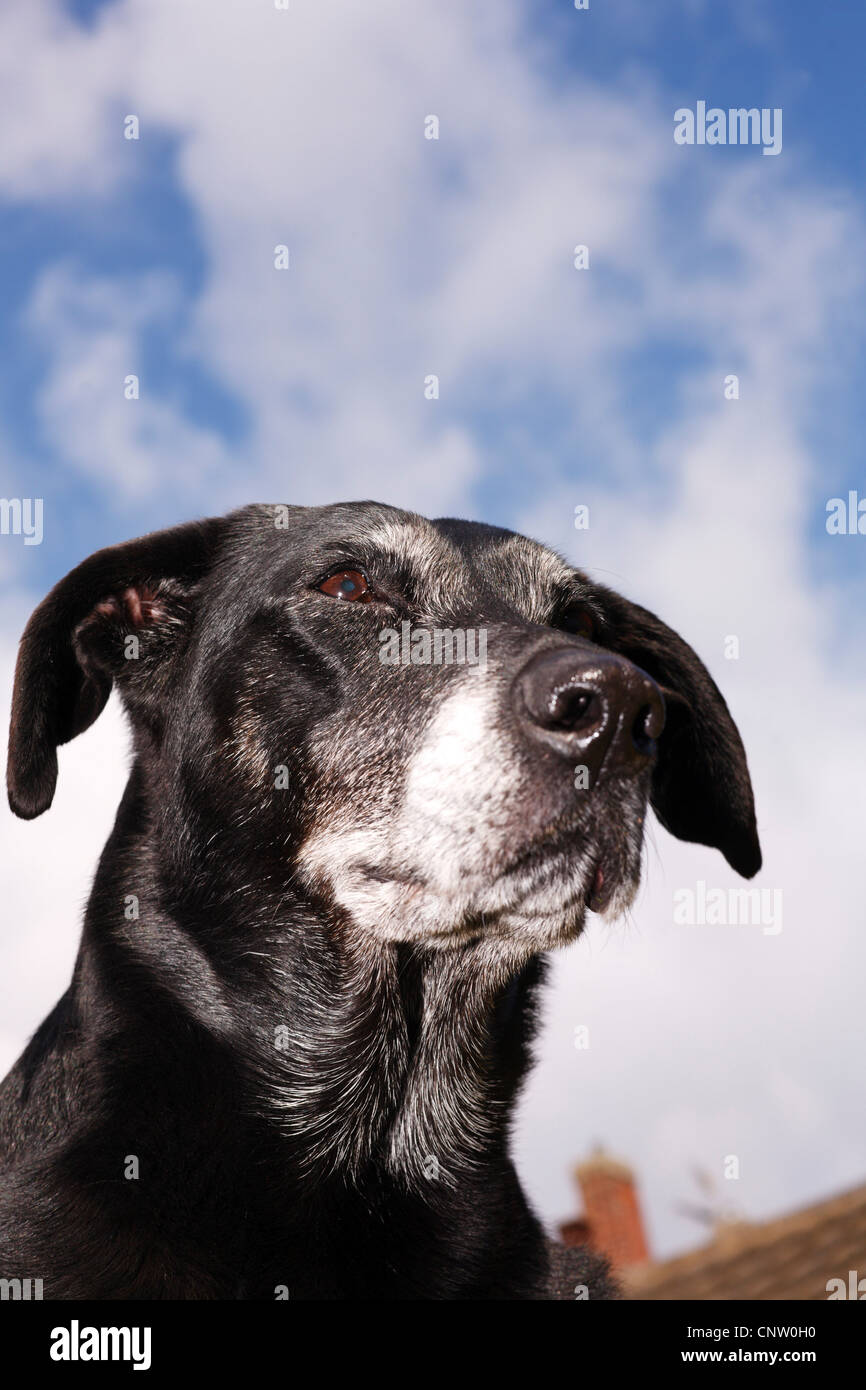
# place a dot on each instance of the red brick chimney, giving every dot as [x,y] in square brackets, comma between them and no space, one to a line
[612,1222]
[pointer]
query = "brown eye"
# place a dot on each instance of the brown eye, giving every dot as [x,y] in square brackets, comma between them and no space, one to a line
[347,584]
[581,621]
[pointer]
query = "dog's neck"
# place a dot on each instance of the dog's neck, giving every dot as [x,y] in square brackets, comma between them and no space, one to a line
[361,1053]
[389,1063]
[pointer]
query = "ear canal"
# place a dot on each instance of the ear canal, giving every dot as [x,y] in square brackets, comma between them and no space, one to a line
[701,790]
[54,699]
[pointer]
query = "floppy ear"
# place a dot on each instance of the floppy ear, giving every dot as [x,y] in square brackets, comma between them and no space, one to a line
[701,789]
[76,641]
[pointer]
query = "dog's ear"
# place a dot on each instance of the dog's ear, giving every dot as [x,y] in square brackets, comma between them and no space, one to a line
[128,601]
[701,789]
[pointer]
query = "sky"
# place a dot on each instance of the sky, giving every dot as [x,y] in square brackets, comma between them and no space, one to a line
[558,387]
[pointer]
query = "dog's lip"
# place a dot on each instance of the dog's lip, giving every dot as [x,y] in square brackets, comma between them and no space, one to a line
[601,889]
[555,849]
[553,844]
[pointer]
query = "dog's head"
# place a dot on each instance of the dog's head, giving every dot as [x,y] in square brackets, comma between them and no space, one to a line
[440,730]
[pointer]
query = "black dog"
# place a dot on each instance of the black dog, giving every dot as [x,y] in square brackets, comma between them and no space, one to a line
[381,765]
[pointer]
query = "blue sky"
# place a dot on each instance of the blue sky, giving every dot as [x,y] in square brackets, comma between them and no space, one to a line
[558,387]
[795,55]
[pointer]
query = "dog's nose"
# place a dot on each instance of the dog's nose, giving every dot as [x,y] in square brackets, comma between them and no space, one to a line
[596,710]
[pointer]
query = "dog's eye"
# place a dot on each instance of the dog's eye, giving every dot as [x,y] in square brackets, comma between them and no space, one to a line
[581,621]
[347,584]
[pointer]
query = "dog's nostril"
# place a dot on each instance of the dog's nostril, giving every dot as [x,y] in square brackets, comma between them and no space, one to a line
[575,707]
[646,729]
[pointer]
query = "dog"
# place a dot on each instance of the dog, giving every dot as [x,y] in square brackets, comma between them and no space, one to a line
[304,1001]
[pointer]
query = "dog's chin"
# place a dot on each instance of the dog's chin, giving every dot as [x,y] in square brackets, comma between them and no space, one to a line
[538,900]
[549,908]
[528,878]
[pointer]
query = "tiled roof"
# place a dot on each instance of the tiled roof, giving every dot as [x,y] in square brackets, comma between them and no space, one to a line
[790,1258]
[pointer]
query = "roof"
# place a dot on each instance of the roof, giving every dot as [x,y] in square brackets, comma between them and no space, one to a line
[789,1258]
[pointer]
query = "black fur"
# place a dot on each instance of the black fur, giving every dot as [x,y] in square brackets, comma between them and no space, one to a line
[277,1072]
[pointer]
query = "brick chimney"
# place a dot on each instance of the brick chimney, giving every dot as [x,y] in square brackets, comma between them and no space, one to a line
[612,1222]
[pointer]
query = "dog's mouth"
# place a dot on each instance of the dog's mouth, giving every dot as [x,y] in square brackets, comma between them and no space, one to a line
[597,877]
[527,871]
[603,865]
[592,857]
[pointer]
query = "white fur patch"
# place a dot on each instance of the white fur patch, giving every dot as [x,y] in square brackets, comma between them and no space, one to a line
[435,866]
[461,789]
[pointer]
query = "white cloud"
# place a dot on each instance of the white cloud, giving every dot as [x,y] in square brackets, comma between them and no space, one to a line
[90,329]
[408,256]
[55,83]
